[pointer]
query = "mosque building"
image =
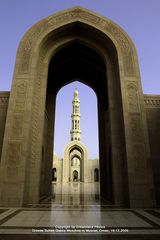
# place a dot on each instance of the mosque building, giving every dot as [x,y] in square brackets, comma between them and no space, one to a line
[75,165]
[79,44]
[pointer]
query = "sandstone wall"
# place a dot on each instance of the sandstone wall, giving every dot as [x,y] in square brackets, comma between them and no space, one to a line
[4,98]
[152,105]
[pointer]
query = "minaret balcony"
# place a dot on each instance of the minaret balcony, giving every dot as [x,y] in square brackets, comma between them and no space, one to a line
[75,115]
[75,131]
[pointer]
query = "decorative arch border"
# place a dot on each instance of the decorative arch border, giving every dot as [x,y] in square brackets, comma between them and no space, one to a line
[40,30]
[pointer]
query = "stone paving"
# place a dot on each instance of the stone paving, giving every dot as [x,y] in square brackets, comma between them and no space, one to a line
[89,219]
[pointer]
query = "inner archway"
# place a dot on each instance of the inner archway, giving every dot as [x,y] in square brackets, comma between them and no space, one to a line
[76,113]
[54,175]
[79,61]
[75,175]
[96,175]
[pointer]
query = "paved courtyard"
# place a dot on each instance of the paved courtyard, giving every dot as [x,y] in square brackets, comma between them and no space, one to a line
[75,215]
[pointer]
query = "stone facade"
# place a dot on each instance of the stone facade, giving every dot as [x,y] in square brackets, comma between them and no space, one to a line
[101,54]
[92,175]
[152,106]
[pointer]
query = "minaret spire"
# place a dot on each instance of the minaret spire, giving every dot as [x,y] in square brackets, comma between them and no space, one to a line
[75,131]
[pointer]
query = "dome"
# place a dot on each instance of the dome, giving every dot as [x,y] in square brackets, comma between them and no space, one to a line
[76,93]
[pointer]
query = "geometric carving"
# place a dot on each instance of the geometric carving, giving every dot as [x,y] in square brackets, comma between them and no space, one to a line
[13,160]
[4,100]
[13,153]
[17,124]
[26,51]
[128,64]
[136,128]
[133,100]
[119,36]
[151,101]
[75,15]
[35,127]
[21,92]
[124,44]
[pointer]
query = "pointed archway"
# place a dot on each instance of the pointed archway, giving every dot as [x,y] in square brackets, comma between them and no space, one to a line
[76,43]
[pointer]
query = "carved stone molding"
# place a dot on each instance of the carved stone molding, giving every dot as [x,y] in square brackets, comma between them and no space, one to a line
[25,51]
[35,123]
[133,98]
[152,101]
[17,126]
[136,128]
[13,160]
[76,15]
[125,48]
[4,99]
[20,98]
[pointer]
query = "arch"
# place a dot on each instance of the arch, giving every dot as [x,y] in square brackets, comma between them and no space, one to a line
[122,131]
[83,158]
[75,175]
[96,175]
[54,175]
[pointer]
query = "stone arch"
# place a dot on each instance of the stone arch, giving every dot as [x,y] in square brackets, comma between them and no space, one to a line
[96,175]
[54,174]
[75,176]
[22,148]
[67,175]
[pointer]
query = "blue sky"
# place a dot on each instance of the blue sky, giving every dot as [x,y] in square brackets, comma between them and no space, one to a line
[139,18]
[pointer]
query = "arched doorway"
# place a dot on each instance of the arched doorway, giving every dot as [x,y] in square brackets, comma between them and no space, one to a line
[75,163]
[75,176]
[75,158]
[96,175]
[76,44]
[85,64]
[54,175]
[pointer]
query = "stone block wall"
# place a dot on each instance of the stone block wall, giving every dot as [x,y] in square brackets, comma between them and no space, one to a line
[152,106]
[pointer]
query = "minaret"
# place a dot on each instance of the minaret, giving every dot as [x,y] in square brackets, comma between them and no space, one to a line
[76,132]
